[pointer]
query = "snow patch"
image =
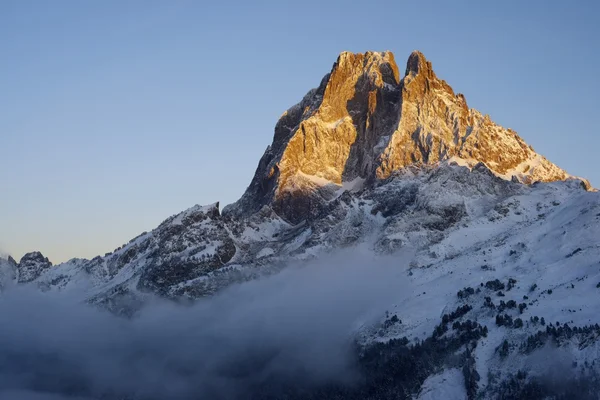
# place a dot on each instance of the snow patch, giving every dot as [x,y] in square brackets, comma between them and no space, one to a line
[267,251]
[448,385]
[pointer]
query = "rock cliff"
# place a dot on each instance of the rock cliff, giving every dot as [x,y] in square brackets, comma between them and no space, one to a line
[364,123]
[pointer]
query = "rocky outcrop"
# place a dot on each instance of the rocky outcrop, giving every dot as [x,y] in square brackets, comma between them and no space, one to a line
[31,266]
[364,122]
[186,247]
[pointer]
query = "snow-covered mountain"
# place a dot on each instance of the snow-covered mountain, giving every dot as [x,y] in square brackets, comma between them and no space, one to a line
[505,248]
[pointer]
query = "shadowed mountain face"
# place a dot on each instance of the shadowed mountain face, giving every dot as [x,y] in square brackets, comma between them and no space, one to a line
[364,122]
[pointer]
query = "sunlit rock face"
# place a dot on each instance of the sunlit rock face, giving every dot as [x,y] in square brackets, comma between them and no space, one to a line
[364,122]
[331,136]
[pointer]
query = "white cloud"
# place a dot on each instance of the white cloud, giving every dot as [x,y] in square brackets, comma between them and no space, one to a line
[291,326]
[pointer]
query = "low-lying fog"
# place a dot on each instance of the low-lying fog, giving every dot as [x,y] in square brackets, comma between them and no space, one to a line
[294,326]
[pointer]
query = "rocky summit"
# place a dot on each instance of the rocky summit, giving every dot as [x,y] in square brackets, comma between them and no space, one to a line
[365,122]
[496,249]
[31,266]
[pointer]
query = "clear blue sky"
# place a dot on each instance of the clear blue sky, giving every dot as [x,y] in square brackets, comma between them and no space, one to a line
[117,114]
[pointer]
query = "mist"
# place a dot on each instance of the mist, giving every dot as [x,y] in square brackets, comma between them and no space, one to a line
[293,327]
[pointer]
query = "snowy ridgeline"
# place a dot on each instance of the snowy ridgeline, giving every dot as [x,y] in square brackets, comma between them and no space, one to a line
[491,287]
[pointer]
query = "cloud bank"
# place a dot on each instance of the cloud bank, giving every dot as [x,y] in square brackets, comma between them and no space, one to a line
[258,336]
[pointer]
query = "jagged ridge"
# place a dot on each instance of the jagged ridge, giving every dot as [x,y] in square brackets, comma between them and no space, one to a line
[363,123]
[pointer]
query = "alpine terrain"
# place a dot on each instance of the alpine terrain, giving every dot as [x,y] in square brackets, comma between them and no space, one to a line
[497,248]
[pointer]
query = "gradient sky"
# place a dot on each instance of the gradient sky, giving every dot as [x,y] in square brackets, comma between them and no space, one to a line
[117,114]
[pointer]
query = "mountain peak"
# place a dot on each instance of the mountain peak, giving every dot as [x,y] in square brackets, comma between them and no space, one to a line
[417,63]
[364,122]
[381,64]
[12,261]
[32,265]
